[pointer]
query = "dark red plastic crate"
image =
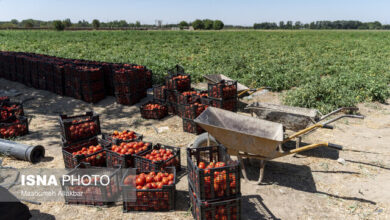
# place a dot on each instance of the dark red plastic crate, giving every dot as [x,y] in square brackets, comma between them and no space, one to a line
[224,89]
[160,112]
[16,128]
[190,126]
[67,124]
[124,160]
[144,164]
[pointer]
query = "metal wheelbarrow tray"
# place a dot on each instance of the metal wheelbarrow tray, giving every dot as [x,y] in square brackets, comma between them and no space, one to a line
[250,137]
[293,118]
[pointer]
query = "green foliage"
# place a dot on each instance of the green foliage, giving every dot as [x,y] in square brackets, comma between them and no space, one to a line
[58,25]
[218,25]
[67,23]
[316,69]
[96,24]
[198,24]
[183,24]
[208,24]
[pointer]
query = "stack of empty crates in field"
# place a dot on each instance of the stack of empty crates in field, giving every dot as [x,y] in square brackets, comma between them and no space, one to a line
[90,81]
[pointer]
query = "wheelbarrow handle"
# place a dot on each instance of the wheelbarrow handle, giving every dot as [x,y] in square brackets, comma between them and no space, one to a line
[354,109]
[340,117]
[328,126]
[335,146]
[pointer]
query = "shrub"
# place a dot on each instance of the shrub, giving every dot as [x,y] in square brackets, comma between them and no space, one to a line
[96,24]
[198,24]
[183,24]
[208,24]
[58,25]
[218,25]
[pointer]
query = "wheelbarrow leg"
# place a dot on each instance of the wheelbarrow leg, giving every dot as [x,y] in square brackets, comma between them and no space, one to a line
[297,144]
[262,168]
[243,170]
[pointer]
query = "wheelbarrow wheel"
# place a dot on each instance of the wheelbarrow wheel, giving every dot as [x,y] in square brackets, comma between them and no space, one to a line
[203,141]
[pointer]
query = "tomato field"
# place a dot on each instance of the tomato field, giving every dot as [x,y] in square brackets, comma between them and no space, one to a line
[318,69]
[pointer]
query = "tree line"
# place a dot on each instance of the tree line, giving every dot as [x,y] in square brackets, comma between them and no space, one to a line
[341,24]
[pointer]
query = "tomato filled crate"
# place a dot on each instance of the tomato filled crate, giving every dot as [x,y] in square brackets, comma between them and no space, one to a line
[187,97]
[230,104]
[93,191]
[159,93]
[154,191]
[4,99]
[153,110]
[10,110]
[212,174]
[123,154]
[179,82]
[191,111]
[224,89]
[190,126]
[79,127]
[125,136]
[221,209]
[127,98]
[158,158]
[16,128]
[88,151]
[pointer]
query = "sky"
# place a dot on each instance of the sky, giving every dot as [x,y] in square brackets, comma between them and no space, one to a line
[240,12]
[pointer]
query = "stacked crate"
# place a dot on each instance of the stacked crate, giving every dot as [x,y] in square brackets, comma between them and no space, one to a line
[79,135]
[85,80]
[12,121]
[222,95]
[129,84]
[213,183]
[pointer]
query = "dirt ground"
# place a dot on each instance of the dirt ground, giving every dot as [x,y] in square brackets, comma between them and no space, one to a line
[311,185]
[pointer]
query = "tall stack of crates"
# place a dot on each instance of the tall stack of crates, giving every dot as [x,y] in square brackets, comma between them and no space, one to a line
[213,184]
[85,80]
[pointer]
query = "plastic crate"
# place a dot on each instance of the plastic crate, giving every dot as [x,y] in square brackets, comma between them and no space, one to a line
[92,194]
[190,126]
[59,79]
[124,160]
[173,82]
[94,97]
[97,159]
[3,99]
[172,108]
[116,141]
[158,113]
[227,104]
[149,199]
[176,70]
[149,78]
[125,75]
[16,128]
[222,209]
[191,111]
[126,88]
[187,97]
[159,92]
[224,89]
[144,164]
[171,96]
[127,99]
[214,183]
[74,131]
[10,110]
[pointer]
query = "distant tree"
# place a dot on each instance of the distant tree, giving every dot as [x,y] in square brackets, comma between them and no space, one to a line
[183,24]
[198,24]
[289,25]
[83,23]
[14,21]
[208,24]
[137,24]
[96,23]
[28,23]
[123,23]
[281,25]
[218,25]
[298,25]
[67,23]
[58,25]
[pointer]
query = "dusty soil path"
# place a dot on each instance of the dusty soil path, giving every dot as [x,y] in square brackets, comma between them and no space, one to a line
[312,185]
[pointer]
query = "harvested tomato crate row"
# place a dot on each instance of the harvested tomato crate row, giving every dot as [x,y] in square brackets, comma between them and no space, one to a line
[78,127]
[144,164]
[153,110]
[114,140]
[125,158]
[191,111]
[126,88]
[224,89]
[211,183]
[156,199]
[227,104]
[180,82]
[190,126]
[159,92]
[17,128]
[222,209]
[95,194]
[73,155]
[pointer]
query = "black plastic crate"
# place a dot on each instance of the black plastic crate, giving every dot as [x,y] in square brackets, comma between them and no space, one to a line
[213,183]
[125,160]
[179,82]
[149,199]
[94,194]
[127,99]
[157,111]
[127,75]
[223,209]
[190,126]
[116,141]
[224,89]
[191,111]
[74,128]
[149,78]
[172,108]
[227,104]
[59,81]
[72,160]
[159,92]
[16,128]
[9,110]
[171,96]
[176,70]
[144,164]
[93,97]
[187,97]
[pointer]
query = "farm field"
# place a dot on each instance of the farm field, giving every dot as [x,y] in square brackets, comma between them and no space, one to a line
[318,69]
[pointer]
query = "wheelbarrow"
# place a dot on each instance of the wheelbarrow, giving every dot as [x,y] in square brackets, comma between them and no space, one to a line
[250,137]
[242,90]
[293,118]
